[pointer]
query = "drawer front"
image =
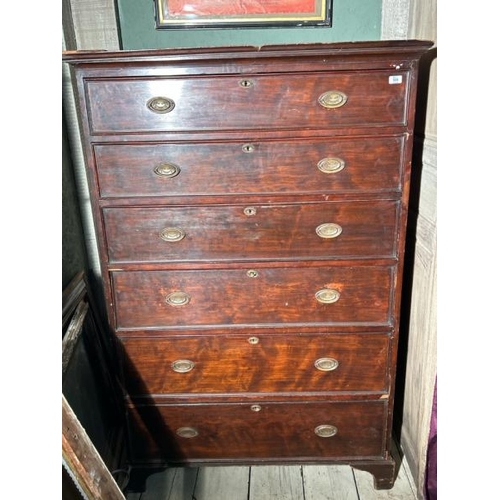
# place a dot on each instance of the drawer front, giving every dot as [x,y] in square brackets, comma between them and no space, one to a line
[258,232]
[267,296]
[259,430]
[331,166]
[290,101]
[243,363]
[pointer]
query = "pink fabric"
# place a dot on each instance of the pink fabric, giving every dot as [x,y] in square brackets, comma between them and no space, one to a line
[431,467]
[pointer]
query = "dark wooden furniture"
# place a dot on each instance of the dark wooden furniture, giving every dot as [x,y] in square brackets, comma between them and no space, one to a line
[250,206]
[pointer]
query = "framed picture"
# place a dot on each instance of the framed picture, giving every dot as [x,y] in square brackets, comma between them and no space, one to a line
[206,14]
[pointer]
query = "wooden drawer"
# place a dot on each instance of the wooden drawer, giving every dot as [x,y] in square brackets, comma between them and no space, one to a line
[355,295]
[210,364]
[367,164]
[245,103]
[258,232]
[260,430]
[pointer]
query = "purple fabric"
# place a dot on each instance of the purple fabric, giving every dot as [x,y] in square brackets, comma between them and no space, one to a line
[431,466]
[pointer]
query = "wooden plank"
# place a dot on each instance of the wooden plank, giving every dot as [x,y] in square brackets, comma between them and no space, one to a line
[84,461]
[421,360]
[400,491]
[222,483]
[159,485]
[73,334]
[183,484]
[329,482]
[276,483]
[72,295]
[89,375]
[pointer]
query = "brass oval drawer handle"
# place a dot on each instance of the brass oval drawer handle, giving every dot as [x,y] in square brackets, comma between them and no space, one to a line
[325,431]
[168,170]
[186,432]
[331,165]
[327,295]
[256,408]
[177,299]
[332,99]
[172,234]
[328,230]
[326,364]
[253,340]
[160,105]
[182,365]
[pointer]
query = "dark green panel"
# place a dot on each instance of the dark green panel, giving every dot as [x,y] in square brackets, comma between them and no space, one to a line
[353,20]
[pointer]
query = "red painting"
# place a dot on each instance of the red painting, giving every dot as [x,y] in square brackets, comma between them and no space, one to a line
[240,8]
[230,13]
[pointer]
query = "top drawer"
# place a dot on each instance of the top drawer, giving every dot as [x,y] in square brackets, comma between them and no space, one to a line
[290,101]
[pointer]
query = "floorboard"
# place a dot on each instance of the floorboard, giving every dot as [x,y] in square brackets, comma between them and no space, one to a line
[276,483]
[323,482]
[157,486]
[400,491]
[309,482]
[183,484]
[222,483]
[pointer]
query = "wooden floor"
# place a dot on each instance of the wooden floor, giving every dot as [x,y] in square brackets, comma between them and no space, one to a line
[306,482]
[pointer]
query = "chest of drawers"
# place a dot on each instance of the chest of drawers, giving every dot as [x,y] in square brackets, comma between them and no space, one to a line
[250,210]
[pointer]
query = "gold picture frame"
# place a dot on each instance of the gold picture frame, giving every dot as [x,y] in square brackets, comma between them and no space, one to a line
[219,14]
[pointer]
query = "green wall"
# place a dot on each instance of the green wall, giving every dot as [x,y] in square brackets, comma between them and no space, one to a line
[353,20]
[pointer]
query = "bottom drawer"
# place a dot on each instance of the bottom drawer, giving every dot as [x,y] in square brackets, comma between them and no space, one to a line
[255,431]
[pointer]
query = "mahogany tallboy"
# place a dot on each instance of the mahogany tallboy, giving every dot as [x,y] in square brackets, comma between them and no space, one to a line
[250,206]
